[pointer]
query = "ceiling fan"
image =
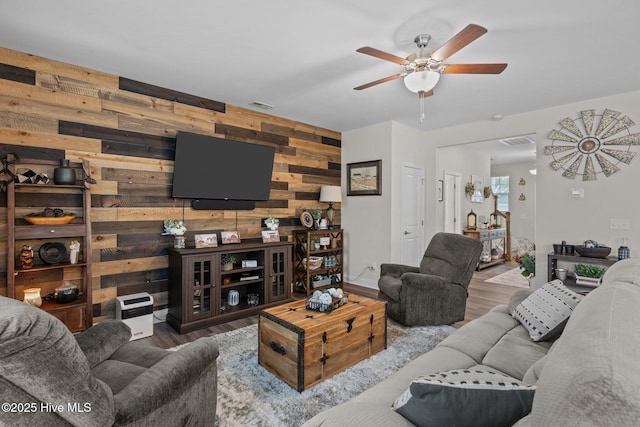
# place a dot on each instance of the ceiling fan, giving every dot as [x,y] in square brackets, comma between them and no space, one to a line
[422,69]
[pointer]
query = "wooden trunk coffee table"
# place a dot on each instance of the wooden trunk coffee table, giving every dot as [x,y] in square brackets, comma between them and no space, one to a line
[304,347]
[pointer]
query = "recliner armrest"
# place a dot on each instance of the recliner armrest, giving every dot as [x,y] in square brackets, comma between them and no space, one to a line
[416,284]
[397,270]
[101,340]
[165,380]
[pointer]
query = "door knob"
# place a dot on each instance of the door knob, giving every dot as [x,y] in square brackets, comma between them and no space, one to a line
[407,232]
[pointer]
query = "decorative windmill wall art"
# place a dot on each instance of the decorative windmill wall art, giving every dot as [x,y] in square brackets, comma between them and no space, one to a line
[592,144]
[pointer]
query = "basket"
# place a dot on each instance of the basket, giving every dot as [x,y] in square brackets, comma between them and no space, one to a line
[320,281]
[313,263]
[327,308]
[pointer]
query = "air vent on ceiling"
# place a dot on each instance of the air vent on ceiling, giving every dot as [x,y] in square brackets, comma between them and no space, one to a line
[517,140]
[261,105]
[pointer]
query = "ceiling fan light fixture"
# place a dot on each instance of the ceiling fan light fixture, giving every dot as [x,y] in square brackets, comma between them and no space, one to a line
[421,81]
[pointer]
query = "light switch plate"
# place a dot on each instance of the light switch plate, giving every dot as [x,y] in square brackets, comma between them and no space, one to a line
[619,224]
[577,193]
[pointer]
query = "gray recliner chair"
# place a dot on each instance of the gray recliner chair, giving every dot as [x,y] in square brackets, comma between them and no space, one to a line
[435,293]
[99,377]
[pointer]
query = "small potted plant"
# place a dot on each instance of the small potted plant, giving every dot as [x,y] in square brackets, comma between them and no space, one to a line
[272,223]
[227,261]
[175,228]
[589,274]
[316,214]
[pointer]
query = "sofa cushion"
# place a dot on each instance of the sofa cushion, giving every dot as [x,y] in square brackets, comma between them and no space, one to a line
[515,353]
[117,375]
[545,312]
[519,296]
[591,374]
[465,397]
[626,270]
[476,338]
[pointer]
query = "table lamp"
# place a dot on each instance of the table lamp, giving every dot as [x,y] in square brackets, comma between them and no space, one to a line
[330,193]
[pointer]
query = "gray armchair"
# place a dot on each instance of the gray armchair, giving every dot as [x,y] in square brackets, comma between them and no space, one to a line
[435,293]
[99,377]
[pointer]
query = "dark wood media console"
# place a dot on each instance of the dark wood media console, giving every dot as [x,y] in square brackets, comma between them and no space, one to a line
[199,287]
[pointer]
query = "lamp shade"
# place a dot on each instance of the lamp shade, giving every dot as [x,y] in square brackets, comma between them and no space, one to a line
[330,193]
[421,81]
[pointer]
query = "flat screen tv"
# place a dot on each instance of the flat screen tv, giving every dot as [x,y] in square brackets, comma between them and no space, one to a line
[212,168]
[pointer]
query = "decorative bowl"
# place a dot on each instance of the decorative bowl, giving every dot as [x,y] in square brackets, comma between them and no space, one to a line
[49,220]
[595,252]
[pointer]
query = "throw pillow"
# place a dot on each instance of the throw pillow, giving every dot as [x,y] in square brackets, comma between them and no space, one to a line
[465,397]
[546,311]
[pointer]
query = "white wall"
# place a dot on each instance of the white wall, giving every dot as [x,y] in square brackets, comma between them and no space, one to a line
[372,224]
[366,220]
[558,217]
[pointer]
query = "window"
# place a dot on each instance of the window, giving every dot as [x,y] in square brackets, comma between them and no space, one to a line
[500,187]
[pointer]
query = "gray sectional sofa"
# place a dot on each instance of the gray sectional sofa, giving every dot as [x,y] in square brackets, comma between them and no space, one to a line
[589,376]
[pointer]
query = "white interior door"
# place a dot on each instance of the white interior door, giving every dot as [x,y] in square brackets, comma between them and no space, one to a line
[452,192]
[412,214]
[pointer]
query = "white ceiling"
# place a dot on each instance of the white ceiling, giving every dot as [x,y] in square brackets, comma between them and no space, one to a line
[300,56]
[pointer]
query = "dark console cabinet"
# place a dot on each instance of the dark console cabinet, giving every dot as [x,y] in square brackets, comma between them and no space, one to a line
[199,286]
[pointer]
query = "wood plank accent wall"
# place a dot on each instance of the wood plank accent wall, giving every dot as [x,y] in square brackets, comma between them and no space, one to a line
[126,129]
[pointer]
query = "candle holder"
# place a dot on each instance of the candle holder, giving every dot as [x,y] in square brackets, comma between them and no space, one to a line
[32,296]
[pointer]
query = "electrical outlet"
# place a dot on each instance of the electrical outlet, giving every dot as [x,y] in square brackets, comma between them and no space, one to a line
[372,267]
[619,224]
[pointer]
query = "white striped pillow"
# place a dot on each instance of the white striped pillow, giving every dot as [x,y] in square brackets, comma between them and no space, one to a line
[546,311]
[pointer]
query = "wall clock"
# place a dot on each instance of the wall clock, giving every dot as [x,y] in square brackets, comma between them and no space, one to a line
[592,144]
[306,219]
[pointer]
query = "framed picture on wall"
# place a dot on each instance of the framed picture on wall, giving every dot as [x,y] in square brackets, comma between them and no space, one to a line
[477,196]
[364,178]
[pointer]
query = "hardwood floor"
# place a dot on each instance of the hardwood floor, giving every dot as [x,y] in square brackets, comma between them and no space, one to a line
[482,298]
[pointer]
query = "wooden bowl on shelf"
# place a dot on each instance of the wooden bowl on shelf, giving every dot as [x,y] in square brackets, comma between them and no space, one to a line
[49,220]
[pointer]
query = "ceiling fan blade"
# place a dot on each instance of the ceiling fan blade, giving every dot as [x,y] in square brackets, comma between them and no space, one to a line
[377,82]
[382,55]
[474,68]
[457,42]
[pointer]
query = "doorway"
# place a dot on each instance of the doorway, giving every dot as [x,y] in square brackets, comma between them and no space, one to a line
[412,247]
[514,157]
[452,194]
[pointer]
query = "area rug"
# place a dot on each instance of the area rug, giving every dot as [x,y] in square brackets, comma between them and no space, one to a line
[512,277]
[249,395]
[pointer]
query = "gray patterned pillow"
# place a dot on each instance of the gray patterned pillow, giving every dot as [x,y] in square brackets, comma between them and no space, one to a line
[546,311]
[465,397]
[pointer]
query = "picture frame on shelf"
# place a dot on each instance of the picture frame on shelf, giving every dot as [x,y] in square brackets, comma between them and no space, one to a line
[364,178]
[206,240]
[229,237]
[270,236]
